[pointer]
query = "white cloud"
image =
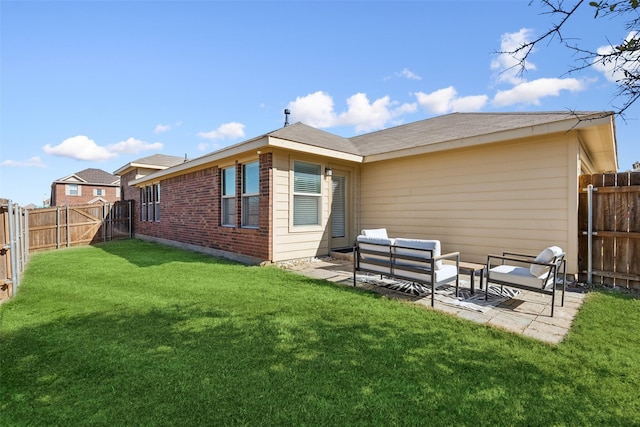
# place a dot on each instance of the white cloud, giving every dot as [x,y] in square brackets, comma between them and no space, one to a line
[614,70]
[132,146]
[530,93]
[79,147]
[230,130]
[365,116]
[203,146]
[406,73]
[161,128]
[446,100]
[82,147]
[317,110]
[508,65]
[33,162]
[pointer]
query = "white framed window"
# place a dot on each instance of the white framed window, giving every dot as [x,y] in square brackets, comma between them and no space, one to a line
[99,192]
[307,192]
[229,197]
[156,199]
[72,190]
[150,204]
[250,194]
[143,204]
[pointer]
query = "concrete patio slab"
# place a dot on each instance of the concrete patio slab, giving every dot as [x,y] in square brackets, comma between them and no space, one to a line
[528,314]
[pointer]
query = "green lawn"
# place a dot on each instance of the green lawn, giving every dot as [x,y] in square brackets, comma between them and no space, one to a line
[134,333]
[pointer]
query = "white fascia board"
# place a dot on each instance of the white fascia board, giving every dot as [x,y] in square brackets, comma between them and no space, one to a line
[231,151]
[134,165]
[242,148]
[489,138]
[306,148]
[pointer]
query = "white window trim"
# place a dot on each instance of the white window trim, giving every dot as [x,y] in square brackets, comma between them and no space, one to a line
[245,196]
[67,190]
[305,228]
[224,197]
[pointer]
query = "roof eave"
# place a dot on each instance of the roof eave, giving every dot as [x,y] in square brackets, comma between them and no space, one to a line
[567,125]
[260,143]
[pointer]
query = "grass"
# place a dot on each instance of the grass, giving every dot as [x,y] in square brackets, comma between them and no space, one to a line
[132,333]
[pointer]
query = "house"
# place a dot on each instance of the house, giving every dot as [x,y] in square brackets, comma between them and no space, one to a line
[141,168]
[85,187]
[479,182]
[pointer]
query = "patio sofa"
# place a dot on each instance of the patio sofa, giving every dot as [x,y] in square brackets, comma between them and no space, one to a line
[413,260]
[536,273]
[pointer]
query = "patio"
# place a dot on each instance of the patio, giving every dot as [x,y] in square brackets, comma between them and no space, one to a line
[527,313]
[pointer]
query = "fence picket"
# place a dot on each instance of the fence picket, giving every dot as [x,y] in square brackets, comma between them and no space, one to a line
[616,221]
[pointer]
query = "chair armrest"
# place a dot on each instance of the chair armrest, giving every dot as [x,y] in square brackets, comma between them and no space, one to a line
[519,255]
[519,259]
[450,255]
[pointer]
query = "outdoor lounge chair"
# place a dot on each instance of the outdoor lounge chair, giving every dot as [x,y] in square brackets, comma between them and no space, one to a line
[529,272]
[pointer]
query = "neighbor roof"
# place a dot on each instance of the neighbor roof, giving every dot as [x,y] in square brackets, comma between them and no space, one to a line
[92,176]
[155,161]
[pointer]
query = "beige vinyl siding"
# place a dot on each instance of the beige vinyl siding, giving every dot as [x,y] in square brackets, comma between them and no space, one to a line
[503,197]
[296,242]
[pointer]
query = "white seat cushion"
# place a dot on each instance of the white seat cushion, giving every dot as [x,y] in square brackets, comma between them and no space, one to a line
[519,275]
[547,255]
[376,232]
[412,247]
[447,271]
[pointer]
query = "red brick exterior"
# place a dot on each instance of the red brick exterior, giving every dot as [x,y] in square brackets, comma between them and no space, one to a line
[190,212]
[126,192]
[59,198]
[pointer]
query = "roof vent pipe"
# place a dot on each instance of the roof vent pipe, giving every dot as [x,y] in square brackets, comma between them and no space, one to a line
[286,116]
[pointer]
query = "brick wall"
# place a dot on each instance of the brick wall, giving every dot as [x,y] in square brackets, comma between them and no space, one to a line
[61,199]
[190,209]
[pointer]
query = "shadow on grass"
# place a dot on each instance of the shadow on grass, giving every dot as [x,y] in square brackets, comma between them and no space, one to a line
[137,252]
[189,364]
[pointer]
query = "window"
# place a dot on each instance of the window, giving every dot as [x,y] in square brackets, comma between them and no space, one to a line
[229,196]
[150,205]
[306,193]
[143,204]
[250,194]
[72,190]
[99,192]
[156,195]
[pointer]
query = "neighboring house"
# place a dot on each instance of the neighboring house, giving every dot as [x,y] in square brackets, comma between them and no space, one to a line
[85,187]
[479,182]
[141,168]
[636,167]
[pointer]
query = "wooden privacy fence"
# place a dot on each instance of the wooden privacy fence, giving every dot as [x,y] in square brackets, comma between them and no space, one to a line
[64,226]
[26,230]
[609,250]
[14,248]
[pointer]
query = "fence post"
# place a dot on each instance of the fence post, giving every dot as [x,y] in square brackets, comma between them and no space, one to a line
[68,225]
[590,234]
[12,249]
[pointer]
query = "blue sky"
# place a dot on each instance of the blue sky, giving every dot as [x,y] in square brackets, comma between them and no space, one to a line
[97,84]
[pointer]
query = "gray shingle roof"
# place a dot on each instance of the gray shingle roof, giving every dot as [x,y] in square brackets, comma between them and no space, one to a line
[453,127]
[160,160]
[299,132]
[95,176]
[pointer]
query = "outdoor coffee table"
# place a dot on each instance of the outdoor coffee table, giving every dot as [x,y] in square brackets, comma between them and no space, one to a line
[471,268]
